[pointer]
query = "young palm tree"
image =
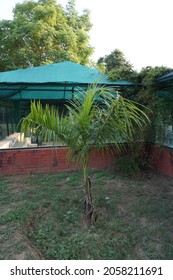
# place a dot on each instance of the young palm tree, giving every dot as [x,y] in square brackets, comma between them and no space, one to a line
[95,119]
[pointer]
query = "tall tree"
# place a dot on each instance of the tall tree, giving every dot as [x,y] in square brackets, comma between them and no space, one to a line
[81,26]
[117,66]
[6,45]
[93,120]
[43,32]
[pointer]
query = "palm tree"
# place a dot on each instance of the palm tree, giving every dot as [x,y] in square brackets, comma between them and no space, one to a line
[94,119]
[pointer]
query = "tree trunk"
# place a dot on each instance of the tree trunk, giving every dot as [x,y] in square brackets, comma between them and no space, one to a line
[89,209]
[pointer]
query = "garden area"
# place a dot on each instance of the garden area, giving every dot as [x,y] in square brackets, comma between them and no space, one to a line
[41,217]
[57,97]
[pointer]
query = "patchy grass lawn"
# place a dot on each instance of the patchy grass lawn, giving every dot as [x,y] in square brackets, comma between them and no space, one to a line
[41,217]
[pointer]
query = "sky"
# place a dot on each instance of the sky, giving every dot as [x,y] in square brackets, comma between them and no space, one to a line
[141,29]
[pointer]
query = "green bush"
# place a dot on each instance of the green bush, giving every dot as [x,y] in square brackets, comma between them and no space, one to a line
[128,165]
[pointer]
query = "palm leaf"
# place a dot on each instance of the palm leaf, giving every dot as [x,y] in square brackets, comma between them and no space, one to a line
[98,117]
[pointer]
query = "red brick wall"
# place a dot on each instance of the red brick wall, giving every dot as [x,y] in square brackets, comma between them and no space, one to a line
[162,158]
[46,160]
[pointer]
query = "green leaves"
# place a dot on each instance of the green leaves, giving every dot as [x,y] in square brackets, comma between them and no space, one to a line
[117,66]
[155,97]
[95,119]
[42,32]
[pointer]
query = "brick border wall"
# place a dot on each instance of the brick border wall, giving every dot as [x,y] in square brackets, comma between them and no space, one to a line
[47,160]
[162,159]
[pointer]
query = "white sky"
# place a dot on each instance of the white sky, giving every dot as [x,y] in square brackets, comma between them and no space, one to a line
[141,29]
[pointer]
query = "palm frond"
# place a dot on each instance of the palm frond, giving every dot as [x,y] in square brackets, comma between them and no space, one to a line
[97,117]
[45,122]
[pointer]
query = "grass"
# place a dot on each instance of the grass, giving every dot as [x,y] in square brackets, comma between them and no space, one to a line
[41,217]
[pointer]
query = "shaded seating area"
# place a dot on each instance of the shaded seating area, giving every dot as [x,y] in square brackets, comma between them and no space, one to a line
[51,84]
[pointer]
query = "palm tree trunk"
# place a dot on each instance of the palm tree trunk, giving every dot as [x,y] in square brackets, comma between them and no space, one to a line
[89,209]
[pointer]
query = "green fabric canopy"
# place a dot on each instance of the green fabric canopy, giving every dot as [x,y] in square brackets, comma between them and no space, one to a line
[59,81]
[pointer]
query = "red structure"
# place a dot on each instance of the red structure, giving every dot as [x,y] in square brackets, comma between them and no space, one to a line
[47,160]
[162,158]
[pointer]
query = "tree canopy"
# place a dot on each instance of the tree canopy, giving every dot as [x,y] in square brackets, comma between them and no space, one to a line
[145,92]
[148,94]
[117,66]
[44,32]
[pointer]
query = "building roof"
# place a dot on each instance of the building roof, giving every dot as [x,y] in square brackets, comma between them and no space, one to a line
[165,78]
[52,81]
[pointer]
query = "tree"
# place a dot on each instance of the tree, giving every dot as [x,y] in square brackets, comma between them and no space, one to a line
[81,26]
[148,93]
[6,41]
[94,119]
[41,33]
[117,66]
[161,105]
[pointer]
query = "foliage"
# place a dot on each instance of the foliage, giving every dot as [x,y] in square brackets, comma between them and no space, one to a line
[97,117]
[114,60]
[147,78]
[81,26]
[94,119]
[136,160]
[128,165]
[161,105]
[98,66]
[117,66]
[144,91]
[43,32]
